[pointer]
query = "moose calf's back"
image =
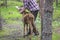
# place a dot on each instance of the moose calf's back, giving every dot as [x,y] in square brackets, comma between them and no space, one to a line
[28,17]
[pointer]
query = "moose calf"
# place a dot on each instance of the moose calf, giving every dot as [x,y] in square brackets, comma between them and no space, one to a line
[28,20]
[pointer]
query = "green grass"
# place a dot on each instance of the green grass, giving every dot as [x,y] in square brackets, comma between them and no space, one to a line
[56,36]
[56,24]
[56,13]
[13,3]
[2,33]
[16,3]
[5,32]
[10,12]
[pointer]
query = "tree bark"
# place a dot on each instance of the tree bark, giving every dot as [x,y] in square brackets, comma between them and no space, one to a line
[5,3]
[46,10]
[0,20]
[56,2]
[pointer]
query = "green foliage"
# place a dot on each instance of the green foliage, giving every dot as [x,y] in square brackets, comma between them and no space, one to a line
[10,12]
[55,36]
[14,3]
[56,13]
[5,31]
[56,24]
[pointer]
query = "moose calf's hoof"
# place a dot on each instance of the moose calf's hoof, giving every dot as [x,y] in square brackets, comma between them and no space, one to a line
[36,34]
[25,36]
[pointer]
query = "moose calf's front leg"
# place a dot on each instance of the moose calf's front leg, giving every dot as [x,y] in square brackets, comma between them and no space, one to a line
[24,30]
[30,26]
[31,30]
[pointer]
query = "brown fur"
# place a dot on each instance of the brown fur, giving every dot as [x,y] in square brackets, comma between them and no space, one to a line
[28,20]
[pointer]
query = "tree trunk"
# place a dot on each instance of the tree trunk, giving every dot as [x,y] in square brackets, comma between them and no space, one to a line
[5,3]
[46,10]
[56,2]
[0,20]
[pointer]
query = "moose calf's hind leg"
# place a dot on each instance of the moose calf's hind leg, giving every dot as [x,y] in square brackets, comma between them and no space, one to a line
[34,29]
[30,25]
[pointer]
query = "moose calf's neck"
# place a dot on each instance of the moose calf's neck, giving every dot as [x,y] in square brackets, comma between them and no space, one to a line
[24,13]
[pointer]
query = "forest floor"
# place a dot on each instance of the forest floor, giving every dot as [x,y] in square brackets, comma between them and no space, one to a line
[15,31]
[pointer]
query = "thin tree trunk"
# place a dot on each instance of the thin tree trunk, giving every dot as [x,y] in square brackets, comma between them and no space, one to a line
[6,3]
[46,10]
[56,2]
[0,20]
